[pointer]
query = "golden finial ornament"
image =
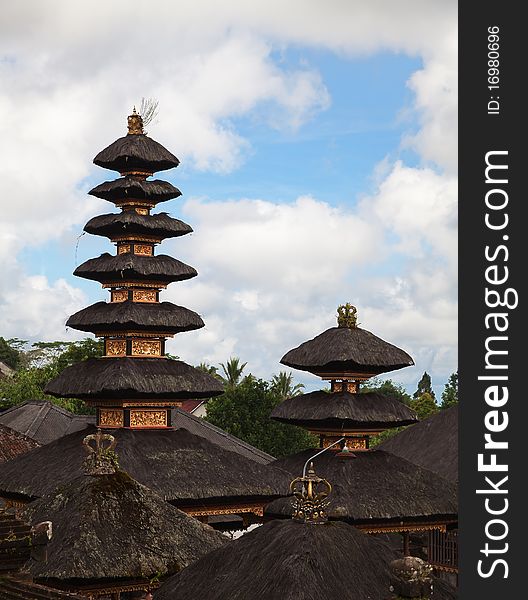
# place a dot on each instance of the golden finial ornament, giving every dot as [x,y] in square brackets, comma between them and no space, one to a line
[135,123]
[347,316]
[310,493]
[101,458]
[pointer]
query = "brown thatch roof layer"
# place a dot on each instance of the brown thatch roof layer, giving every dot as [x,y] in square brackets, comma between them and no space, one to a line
[133,378]
[285,560]
[135,316]
[136,152]
[375,487]
[43,421]
[343,410]
[131,223]
[183,468]
[432,443]
[108,268]
[341,349]
[13,444]
[130,187]
[12,588]
[111,527]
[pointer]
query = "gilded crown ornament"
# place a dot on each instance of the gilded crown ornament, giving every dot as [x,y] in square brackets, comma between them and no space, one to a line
[347,316]
[310,493]
[135,123]
[101,458]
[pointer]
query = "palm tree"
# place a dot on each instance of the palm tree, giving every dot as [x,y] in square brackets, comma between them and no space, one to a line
[283,385]
[232,372]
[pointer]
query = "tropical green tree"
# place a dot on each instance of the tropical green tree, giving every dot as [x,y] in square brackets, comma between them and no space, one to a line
[283,385]
[244,410]
[424,406]
[11,352]
[389,388]
[232,370]
[424,386]
[450,393]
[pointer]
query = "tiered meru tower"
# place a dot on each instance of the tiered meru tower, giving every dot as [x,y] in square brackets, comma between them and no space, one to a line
[135,384]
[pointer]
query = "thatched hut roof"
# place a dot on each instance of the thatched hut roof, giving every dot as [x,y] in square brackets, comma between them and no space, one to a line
[131,223]
[344,410]
[136,152]
[432,443]
[341,349]
[375,487]
[13,588]
[111,527]
[108,268]
[135,316]
[12,443]
[285,560]
[183,468]
[130,187]
[132,379]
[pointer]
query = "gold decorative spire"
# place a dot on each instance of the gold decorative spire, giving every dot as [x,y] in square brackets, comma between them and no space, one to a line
[347,316]
[310,493]
[135,123]
[101,459]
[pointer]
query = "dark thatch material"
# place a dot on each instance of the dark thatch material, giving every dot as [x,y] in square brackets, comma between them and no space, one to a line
[108,268]
[285,560]
[43,421]
[341,349]
[12,443]
[111,527]
[375,487]
[132,379]
[432,444]
[136,152]
[135,316]
[130,187]
[130,223]
[12,588]
[183,468]
[343,410]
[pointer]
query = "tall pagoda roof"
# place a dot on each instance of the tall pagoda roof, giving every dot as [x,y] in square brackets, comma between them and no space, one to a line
[432,443]
[135,316]
[130,187]
[347,349]
[342,410]
[136,152]
[376,488]
[133,378]
[183,468]
[110,527]
[108,268]
[286,560]
[131,223]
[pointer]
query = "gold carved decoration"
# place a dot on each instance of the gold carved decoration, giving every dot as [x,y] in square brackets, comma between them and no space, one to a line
[346,375]
[135,123]
[136,334]
[344,386]
[142,211]
[123,249]
[144,249]
[132,204]
[111,417]
[144,174]
[395,528]
[144,296]
[255,509]
[130,284]
[136,238]
[148,418]
[115,348]
[351,443]
[146,348]
[119,295]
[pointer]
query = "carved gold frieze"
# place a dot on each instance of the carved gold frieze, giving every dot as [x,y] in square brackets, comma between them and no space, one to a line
[148,418]
[141,210]
[119,296]
[351,443]
[257,510]
[144,174]
[401,527]
[129,403]
[344,386]
[123,249]
[144,296]
[146,348]
[345,375]
[137,238]
[144,249]
[111,417]
[131,284]
[132,204]
[115,348]
[136,334]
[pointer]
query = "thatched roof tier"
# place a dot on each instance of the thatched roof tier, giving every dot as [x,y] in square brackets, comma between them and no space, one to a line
[134,188]
[375,487]
[342,411]
[130,223]
[347,349]
[285,560]
[183,468]
[13,443]
[135,316]
[432,443]
[136,152]
[107,268]
[133,379]
[13,588]
[111,527]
